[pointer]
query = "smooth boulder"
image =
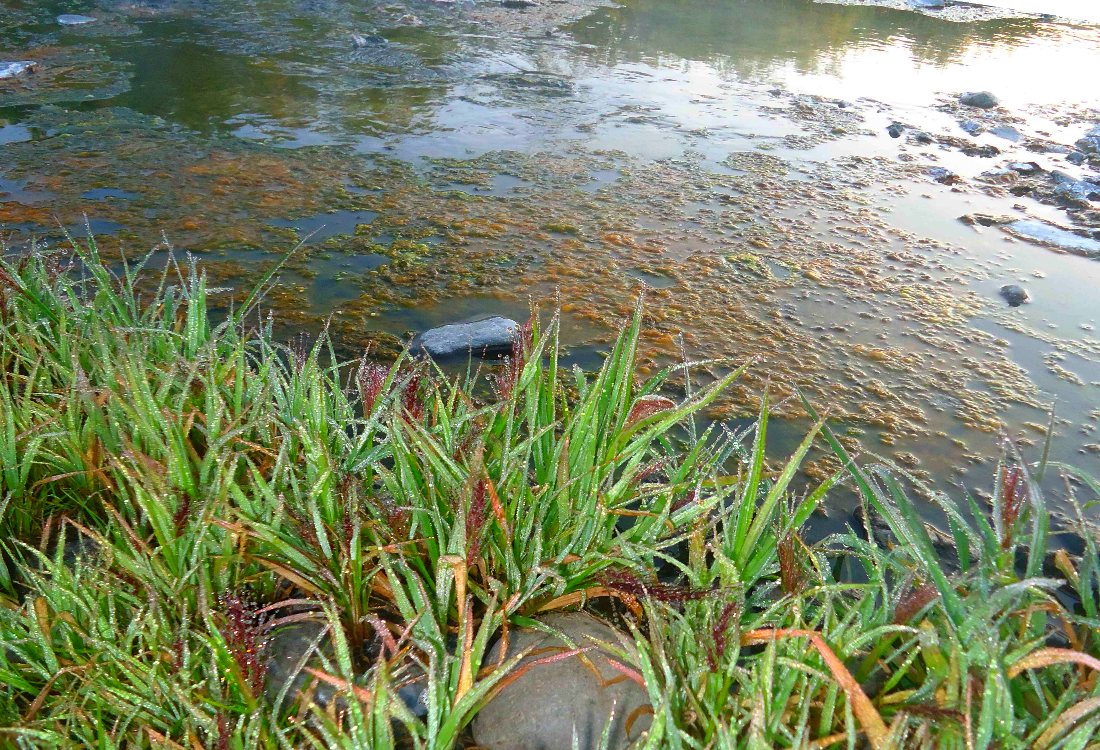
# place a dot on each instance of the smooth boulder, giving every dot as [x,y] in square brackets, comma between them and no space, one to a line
[291,648]
[486,338]
[979,99]
[1015,295]
[548,704]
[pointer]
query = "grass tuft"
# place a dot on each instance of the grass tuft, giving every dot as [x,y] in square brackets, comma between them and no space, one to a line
[176,492]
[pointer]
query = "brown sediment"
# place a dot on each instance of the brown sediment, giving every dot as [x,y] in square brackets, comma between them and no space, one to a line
[800,272]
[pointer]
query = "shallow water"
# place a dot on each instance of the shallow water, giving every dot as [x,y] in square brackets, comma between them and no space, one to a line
[730,156]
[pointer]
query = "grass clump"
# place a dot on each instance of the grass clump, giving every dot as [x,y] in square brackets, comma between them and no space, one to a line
[177,492]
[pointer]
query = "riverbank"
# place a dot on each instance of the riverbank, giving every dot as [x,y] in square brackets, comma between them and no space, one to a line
[736,159]
[215,540]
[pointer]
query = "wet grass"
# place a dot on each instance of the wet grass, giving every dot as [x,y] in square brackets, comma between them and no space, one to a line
[176,490]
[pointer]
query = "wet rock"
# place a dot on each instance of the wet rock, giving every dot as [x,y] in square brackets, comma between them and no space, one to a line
[1073,191]
[1090,144]
[290,649]
[972,127]
[979,99]
[880,530]
[927,4]
[883,536]
[944,176]
[921,137]
[16,69]
[984,220]
[1015,295]
[1000,175]
[552,702]
[72,19]
[1048,234]
[1025,167]
[1007,132]
[368,40]
[544,84]
[486,338]
[1076,157]
[985,151]
[518,4]
[895,130]
[77,548]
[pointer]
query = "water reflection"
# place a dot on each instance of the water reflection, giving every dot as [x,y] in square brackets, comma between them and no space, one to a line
[881,53]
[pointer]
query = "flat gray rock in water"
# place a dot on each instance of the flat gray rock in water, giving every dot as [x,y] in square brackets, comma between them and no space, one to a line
[487,337]
[71,19]
[543,708]
[1007,132]
[980,99]
[15,69]
[1047,234]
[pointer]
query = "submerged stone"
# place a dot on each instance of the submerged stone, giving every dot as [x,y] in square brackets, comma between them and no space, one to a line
[972,127]
[1015,295]
[1007,132]
[578,696]
[16,69]
[368,40]
[1048,234]
[72,19]
[895,130]
[486,338]
[979,99]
